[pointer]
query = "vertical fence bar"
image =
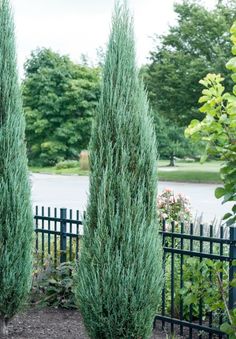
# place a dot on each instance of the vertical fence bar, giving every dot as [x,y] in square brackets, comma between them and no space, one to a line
[77,238]
[191,306]
[211,252]
[36,227]
[232,268]
[163,304]
[55,237]
[200,301]
[49,233]
[181,307]
[172,270]
[221,274]
[63,213]
[43,247]
[70,240]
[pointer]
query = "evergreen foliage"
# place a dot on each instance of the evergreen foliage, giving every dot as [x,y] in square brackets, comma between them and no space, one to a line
[16,222]
[120,276]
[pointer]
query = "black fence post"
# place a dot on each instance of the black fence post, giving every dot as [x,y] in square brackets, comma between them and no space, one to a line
[63,213]
[232,267]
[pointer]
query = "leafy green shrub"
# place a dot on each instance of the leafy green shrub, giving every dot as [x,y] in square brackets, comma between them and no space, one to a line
[217,129]
[53,286]
[67,164]
[195,275]
[199,284]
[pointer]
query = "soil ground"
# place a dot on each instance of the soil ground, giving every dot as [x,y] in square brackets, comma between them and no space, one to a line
[50,323]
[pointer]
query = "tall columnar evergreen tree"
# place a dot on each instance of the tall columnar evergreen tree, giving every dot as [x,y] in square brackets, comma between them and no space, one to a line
[16,224]
[119,276]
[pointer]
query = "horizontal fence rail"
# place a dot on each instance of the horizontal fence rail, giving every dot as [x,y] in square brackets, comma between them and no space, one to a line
[58,233]
[190,256]
[189,262]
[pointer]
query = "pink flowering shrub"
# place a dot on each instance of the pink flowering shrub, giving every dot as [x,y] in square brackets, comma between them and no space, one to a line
[173,207]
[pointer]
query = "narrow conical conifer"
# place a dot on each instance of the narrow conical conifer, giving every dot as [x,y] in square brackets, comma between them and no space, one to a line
[16,222]
[119,275]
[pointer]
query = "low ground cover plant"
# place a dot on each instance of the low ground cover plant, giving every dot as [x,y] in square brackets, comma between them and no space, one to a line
[53,285]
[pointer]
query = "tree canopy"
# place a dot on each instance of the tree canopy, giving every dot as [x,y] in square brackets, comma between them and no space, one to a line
[218,128]
[59,100]
[171,142]
[196,45]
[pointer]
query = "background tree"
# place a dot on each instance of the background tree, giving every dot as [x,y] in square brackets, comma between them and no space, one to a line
[171,142]
[218,129]
[16,221]
[119,277]
[59,101]
[196,45]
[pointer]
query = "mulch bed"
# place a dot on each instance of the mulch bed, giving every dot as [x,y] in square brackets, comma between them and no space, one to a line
[47,323]
[50,323]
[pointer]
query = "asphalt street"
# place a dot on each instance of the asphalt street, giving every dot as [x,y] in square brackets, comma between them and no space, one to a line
[72,192]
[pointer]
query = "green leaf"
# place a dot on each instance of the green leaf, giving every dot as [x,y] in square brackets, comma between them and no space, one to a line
[226,328]
[230,222]
[204,98]
[233,28]
[233,283]
[219,192]
[233,77]
[233,50]
[227,216]
[231,64]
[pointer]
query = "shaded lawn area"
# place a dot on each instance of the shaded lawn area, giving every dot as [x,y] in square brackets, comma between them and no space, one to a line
[182,172]
[190,172]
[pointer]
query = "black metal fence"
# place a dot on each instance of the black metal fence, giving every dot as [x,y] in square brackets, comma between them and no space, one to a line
[198,268]
[58,233]
[190,260]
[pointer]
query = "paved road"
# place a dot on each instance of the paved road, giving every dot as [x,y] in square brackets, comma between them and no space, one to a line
[72,192]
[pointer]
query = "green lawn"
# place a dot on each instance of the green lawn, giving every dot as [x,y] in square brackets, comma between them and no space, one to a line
[183,172]
[54,170]
[190,172]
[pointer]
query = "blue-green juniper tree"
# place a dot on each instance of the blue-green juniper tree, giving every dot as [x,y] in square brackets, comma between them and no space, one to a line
[119,273]
[16,222]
